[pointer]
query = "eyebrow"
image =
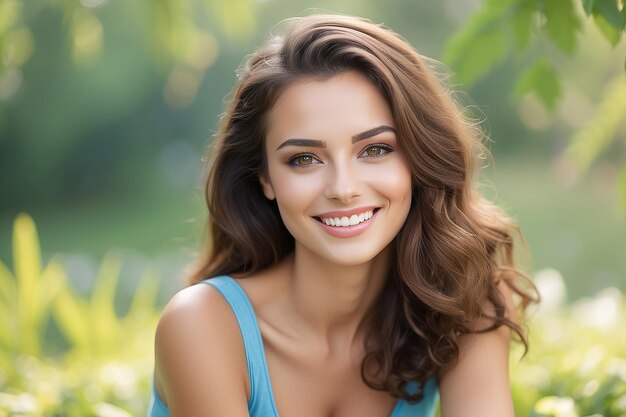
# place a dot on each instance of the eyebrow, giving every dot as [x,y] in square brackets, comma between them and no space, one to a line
[321,144]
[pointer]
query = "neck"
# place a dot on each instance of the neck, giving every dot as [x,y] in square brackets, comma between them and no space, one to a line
[330,301]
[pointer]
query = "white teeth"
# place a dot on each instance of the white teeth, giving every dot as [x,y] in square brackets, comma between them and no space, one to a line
[347,221]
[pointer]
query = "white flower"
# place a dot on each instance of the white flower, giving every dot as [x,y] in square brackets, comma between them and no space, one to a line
[602,311]
[108,410]
[556,407]
[552,289]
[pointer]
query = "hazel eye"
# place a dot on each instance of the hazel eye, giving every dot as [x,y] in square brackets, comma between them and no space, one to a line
[303,159]
[377,150]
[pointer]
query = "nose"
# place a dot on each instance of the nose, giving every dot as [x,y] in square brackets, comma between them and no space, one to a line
[343,183]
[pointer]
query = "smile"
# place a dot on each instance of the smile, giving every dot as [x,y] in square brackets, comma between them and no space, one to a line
[346,221]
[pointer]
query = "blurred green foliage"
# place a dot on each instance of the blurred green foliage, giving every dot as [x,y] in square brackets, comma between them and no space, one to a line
[531,31]
[575,366]
[501,28]
[92,91]
[102,363]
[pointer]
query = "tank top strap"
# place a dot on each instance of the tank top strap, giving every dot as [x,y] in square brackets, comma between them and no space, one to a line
[427,407]
[261,397]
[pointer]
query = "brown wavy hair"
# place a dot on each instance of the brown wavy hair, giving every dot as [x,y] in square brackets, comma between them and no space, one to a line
[455,247]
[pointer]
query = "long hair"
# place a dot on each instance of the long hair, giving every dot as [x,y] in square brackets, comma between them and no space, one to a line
[455,248]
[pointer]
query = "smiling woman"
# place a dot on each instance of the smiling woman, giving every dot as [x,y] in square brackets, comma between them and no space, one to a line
[352,267]
[338,170]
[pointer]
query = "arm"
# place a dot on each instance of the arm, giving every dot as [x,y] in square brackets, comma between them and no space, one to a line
[478,385]
[199,355]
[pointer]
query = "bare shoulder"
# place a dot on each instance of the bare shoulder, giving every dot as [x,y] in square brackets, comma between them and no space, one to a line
[478,385]
[200,366]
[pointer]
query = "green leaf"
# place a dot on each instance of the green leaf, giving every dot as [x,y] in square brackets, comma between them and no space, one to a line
[521,23]
[480,45]
[608,9]
[145,296]
[70,312]
[542,80]
[27,261]
[563,24]
[588,6]
[103,303]
[610,33]
[8,289]
[10,11]
[236,17]
[7,328]
[598,133]
[8,365]
[52,281]
[479,55]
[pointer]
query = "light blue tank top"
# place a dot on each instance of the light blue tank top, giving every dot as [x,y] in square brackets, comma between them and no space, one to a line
[262,402]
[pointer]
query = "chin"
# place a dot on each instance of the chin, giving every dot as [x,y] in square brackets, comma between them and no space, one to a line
[348,257]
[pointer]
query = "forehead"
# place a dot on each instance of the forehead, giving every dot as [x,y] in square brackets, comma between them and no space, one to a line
[344,104]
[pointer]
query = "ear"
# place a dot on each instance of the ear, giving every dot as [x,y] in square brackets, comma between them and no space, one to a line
[268,190]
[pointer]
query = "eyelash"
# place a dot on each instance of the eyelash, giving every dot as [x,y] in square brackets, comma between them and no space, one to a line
[383,146]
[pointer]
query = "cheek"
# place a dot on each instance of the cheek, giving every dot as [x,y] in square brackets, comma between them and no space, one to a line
[294,192]
[394,181]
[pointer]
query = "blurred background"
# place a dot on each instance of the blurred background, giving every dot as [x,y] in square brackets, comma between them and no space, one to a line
[107,107]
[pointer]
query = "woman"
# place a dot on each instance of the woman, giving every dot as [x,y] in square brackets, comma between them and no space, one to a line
[353,267]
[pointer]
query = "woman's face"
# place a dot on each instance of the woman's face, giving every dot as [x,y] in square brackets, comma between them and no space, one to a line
[333,161]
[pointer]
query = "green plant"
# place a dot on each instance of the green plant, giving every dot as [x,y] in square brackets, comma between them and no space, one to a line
[92,326]
[26,296]
[503,28]
[106,368]
[538,34]
[576,365]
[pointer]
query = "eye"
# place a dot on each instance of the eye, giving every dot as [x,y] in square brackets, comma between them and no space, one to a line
[376,150]
[302,159]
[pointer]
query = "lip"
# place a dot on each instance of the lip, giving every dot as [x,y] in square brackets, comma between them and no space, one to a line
[348,231]
[347,213]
